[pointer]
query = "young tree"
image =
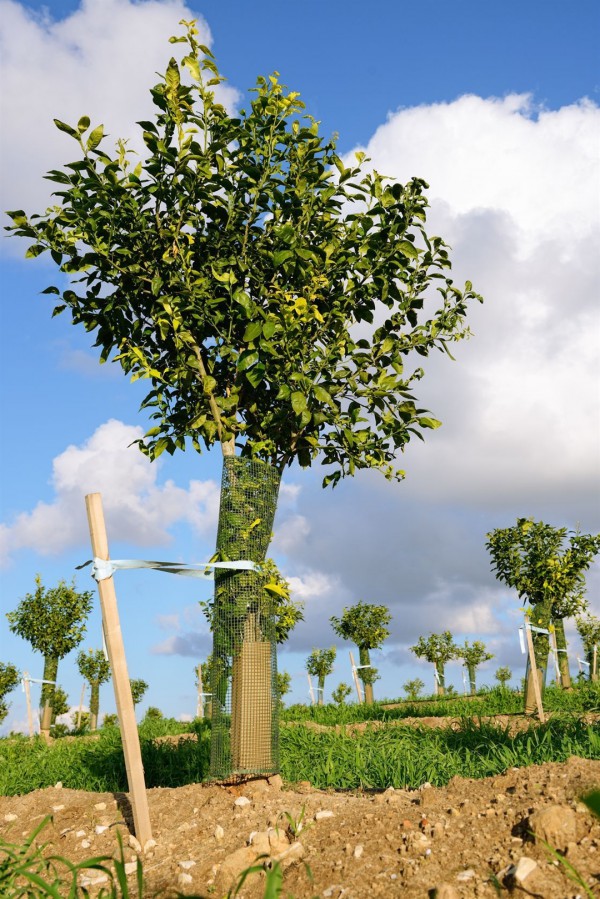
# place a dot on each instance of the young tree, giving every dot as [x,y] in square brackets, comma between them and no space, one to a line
[319,664]
[365,625]
[95,669]
[153,714]
[138,689]
[53,621]
[284,684]
[60,704]
[474,655]
[412,688]
[9,678]
[588,629]
[230,267]
[341,693]
[503,675]
[546,566]
[437,649]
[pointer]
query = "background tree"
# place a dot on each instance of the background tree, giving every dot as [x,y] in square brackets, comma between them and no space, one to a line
[474,655]
[153,714]
[110,720]
[95,669]
[341,693]
[60,704]
[366,625]
[437,649]
[412,688]
[230,267]
[503,675]
[53,621]
[546,566]
[320,664]
[138,689]
[9,678]
[284,684]
[589,631]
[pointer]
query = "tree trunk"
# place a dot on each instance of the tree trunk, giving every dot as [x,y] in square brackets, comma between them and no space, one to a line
[244,735]
[365,659]
[563,658]
[440,679]
[472,684]
[94,704]
[50,673]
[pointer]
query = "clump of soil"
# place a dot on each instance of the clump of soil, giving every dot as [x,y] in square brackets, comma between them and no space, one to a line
[468,839]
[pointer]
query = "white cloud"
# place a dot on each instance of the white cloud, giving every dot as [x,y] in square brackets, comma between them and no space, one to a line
[100,61]
[136,508]
[312,585]
[290,533]
[514,190]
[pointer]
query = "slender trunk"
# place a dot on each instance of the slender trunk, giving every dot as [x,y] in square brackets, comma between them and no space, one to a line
[563,657]
[365,675]
[472,685]
[593,660]
[47,700]
[321,689]
[244,701]
[441,678]
[94,704]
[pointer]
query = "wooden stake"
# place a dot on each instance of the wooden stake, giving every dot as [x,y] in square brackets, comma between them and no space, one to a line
[534,674]
[80,706]
[356,680]
[118,664]
[312,692]
[28,701]
[594,667]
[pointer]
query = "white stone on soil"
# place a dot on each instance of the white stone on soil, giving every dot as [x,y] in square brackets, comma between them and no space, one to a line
[219,832]
[325,813]
[242,801]
[187,864]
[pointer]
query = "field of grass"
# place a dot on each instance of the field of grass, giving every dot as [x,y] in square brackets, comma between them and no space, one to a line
[497,701]
[374,759]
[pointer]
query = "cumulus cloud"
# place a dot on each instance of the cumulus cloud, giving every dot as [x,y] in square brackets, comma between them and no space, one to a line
[100,61]
[514,191]
[137,509]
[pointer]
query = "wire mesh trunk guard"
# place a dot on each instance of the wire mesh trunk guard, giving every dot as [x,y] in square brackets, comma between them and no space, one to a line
[245,722]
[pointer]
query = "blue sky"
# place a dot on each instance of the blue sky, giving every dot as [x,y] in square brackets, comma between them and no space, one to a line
[496,106]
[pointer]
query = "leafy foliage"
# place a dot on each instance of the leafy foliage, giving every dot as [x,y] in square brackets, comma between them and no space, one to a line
[95,669]
[544,564]
[231,266]
[53,621]
[138,689]
[9,678]
[341,693]
[320,662]
[364,624]
[436,648]
[412,688]
[503,675]
[284,684]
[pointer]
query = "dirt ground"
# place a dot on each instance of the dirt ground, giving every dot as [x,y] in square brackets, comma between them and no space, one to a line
[468,839]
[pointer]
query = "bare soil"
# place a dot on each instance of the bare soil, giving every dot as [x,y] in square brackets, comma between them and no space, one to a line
[462,840]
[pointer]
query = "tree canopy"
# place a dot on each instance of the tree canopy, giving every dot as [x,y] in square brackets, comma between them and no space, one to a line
[271,294]
[436,648]
[9,678]
[364,624]
[52,619]
[544,564]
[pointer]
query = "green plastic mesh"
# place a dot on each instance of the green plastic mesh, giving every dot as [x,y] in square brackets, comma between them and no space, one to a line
[245,722]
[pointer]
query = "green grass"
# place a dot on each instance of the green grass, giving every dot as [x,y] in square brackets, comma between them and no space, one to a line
[496,701]
[374,759]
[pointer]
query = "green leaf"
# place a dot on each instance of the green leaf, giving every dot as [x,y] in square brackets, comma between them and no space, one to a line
[281,256]
[155,286]
[62,126]
[432,423]
[323,396]
[34,251]
[252,331]
[95,138]
[408,248]
[172,75]
[592,800]
[269,328]
[83,124]
[277,590]
[247,359]
[298,402]
[193,66]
